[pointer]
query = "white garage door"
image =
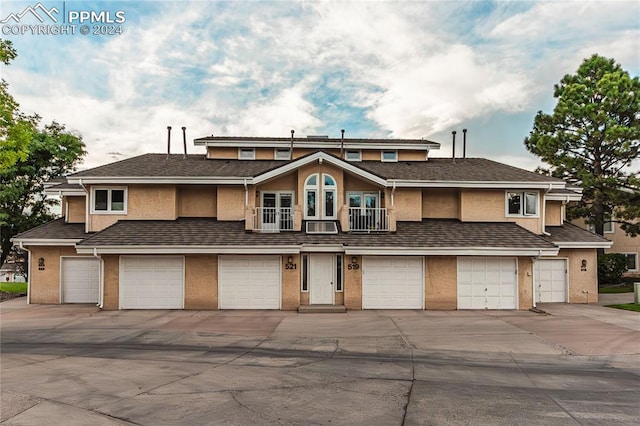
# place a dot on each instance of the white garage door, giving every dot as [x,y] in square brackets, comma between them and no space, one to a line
[80,280]
[487,283]
[249,282]
[392,282]
[551,280]
[151,282]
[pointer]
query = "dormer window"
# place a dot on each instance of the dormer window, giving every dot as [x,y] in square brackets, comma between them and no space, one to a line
[390,156]
[354,155]
[282,154]
[246,154]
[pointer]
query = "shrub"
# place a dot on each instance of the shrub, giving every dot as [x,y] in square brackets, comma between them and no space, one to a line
[611,266]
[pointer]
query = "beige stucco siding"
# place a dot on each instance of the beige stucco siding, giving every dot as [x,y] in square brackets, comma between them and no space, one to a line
[197,201]
[222,153]
[287,182]
[201,282]
[144,202]
[412,155]
[352,183]
[75,209]
[490,206]
[408,204]
[441,285]
[111,264]
[353,286]
[230,201]
[525,283]
[581,282]
[553,213]
[440,204]
[44,285]
[291,284]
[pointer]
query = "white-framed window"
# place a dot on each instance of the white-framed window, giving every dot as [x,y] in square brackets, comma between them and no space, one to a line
[390,156]
[329,189]
[282,154]
[109,200]
[522,203]
[304,279]
[354,155]
[632,261]
[339,287]
[311,186]
[246,154]
[607,227]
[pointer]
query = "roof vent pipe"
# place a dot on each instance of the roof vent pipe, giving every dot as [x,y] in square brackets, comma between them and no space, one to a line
[291,146]
[184,141]
[342,144]
[168,141]
[464,143]
[453,157]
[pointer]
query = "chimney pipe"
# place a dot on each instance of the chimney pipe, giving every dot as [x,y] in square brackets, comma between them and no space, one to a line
[453,157]
[168,141]
[291,147]
[342,145]
[464,143]
[184,141]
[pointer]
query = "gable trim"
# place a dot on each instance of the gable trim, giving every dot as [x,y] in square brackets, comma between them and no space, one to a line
[320,157]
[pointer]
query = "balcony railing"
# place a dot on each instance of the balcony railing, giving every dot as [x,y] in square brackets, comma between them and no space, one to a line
[368,219]
[273,219]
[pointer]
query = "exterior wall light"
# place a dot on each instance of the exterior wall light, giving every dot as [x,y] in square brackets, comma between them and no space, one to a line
[583,265]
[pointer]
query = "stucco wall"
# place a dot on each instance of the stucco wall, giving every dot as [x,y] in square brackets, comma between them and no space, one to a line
[412,155]
[197,201]
[230,201]
[111,280]
[441,287]
[201,282]
[352,183]
[222,152]
[283,183]
[76,208]
[440,204]
[580,280]
[553,213]
[44,286]
[525,283]
[148,202]
[489,206]
[408,204]
[291,284]
[353,285]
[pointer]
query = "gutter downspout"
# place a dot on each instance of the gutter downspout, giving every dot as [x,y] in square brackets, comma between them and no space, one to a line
[246,194]
[86,206]
[100,279]
[393,191]
[22,247]
[544,213]
[533,278]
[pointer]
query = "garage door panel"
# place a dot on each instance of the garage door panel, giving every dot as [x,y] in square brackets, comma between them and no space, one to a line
[551,280]
[152,282]
[392,282]
[80,280]
[487,283]
[249,282]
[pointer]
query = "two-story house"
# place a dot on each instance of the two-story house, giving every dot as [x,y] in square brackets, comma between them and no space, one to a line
[280,223]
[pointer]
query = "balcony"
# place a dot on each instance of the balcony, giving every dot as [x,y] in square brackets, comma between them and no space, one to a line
[371,219]
[273,219]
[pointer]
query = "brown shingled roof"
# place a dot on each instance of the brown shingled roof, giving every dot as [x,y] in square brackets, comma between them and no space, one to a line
[54,230]
[425,234]
[436,169]
[572,233]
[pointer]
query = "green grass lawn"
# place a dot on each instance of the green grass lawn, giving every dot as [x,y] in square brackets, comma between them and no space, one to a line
[625,288]
[626,306]
[13,287]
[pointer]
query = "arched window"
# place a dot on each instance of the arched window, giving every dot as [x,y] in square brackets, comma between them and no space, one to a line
[329,197]
[311,197]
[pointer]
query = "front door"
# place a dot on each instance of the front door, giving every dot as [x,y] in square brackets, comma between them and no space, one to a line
[321,275]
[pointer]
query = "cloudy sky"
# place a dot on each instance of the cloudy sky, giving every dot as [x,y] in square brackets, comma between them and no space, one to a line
[375,68]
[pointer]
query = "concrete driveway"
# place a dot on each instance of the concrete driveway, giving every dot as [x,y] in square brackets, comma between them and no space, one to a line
[71,365]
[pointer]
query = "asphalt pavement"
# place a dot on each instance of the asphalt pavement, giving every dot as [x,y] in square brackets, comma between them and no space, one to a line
[75,364]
